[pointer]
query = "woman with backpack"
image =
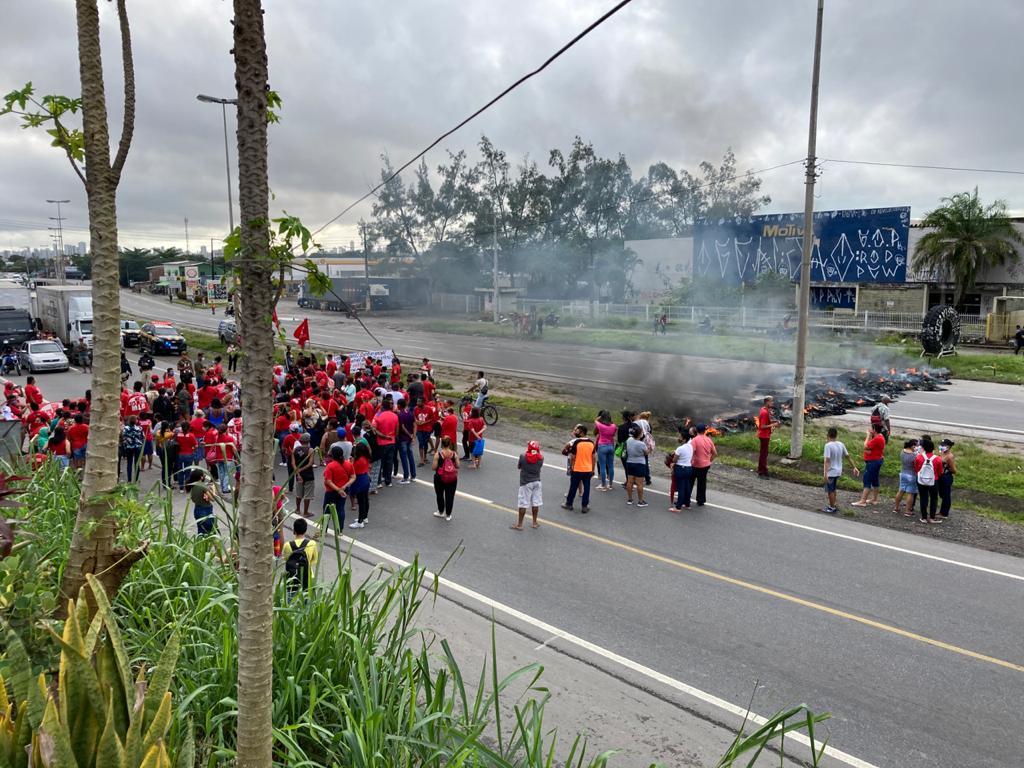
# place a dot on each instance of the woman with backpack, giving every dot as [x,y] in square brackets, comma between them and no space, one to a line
[928,467]
[945,481]
[446,477]
[133,439]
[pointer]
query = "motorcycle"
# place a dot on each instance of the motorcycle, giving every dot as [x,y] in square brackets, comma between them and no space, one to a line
[9,365]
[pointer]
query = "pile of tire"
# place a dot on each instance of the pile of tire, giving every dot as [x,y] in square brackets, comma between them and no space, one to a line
[940,329]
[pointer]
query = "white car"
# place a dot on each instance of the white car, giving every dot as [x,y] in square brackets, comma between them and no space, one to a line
[43,356]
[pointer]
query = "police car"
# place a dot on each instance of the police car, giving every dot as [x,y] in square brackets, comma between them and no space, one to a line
[159,336]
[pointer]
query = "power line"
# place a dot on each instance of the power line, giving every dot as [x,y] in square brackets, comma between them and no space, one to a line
[924,167]
[590,28]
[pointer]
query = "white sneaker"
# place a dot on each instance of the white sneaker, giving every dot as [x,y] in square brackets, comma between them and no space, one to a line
[447,518]
[404,482]
[356,524]
[438,514]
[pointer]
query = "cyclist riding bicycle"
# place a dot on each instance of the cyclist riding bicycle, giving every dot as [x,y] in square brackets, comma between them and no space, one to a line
[480,387]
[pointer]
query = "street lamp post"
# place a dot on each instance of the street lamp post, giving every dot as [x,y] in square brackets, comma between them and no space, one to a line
[227,160]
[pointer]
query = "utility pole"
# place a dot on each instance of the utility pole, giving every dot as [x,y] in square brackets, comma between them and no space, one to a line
[366,263]
[59,262]
[212,272]
[188,252]
[796,442]
[494,270]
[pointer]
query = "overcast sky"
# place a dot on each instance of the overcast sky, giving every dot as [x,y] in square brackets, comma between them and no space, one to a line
[907,81]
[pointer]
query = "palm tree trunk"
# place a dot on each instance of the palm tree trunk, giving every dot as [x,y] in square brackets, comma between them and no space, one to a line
[92,544]
[254,738]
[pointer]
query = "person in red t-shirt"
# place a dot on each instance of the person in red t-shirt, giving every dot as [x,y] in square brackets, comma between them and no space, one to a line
[396,371]
[428,390]
[765,425]
[136,403]
[331,366]
[288,448]
[78,436]
[368,409]
[450,426]
[339,475]
[874,453]
[32,392]
[425,416]
[385,425]
[186,451]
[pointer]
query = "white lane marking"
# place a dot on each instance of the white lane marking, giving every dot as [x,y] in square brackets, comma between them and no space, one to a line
[918,402]
[557,633]
[1002,399]
[920,420]
[824,532]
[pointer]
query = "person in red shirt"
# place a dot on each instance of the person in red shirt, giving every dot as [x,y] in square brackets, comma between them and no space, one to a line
[208,394]
[32,392]
[425,416]
[186,451]
[136,403]
[346,366]
[78,436]
[368,409]
[216,370]
[928,480]
[385,425]
[339,475]
[765,425]
[428,389]
[225,447]
[146,422]
[450,426]
[396,371]
[874,453]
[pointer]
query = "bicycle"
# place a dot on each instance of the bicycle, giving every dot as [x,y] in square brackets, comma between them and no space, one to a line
[488,412]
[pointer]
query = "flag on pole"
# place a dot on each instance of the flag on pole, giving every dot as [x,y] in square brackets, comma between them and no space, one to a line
[277,325]
[301,334]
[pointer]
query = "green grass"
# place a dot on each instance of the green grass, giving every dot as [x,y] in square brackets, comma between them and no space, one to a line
[682,341]
[1003,369]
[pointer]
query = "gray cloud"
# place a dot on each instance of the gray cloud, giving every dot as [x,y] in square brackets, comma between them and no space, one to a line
[906,81]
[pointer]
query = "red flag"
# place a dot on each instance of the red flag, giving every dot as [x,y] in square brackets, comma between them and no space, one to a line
[301,334]
[277,325]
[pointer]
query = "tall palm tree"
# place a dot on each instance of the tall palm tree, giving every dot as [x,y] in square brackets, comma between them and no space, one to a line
[967,237]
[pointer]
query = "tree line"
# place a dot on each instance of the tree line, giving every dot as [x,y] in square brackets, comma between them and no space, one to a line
[560,228]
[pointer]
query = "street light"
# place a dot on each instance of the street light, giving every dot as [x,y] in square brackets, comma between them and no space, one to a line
[227,161]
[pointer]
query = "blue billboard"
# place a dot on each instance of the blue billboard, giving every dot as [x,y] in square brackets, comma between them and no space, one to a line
[855,246]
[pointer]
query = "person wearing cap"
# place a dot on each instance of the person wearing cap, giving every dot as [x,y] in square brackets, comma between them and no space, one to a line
[880,415]
[580,452]
[945,481]
[530,492]
[288,447]
[302,472]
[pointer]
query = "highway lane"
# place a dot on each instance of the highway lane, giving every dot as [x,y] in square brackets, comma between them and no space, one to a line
[883,639]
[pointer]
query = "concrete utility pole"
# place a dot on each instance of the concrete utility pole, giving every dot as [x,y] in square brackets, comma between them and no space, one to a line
[796,441]
[188,251]
[59,262]
[366,263]
[494,270]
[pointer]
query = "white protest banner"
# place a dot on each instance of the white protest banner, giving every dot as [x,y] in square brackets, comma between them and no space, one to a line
[358,359]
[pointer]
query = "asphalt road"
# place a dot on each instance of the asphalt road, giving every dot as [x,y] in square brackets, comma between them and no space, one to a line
[913,645]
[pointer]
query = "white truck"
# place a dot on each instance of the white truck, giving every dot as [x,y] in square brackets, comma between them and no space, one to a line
[65,311]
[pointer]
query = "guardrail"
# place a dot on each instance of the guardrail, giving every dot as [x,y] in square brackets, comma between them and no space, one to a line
[753,318]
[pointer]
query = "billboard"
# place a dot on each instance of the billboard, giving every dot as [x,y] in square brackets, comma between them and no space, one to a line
[854,246]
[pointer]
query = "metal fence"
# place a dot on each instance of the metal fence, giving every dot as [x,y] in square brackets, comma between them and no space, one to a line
[463,303]
[753,318]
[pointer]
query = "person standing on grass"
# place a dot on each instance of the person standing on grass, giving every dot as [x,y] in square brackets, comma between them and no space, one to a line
[928,467]
[580,451]
[682,472]
[765,424]
[606,431]
[908,479]
[874,455]
[202,495]
[302,471]
[945,482]
[834,453]
[704,453]
[530,492]
[446,477]
[635,455]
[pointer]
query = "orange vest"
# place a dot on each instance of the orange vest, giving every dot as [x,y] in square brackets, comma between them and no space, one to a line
[584,461]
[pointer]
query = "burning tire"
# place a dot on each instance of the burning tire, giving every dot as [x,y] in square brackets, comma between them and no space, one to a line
[940,329]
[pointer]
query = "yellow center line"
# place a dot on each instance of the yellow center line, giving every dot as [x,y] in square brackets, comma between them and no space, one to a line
[767,591]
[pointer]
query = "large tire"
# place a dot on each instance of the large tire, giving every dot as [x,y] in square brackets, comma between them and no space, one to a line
[940,329]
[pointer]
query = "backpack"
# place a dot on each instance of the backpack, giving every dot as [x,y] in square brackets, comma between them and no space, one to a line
[296,567]
[926,474]
[876,416]
[448,472]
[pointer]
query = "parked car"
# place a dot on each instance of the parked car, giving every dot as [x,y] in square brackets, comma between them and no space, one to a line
[159,336]
[227,332]
[42,356]
[130,333]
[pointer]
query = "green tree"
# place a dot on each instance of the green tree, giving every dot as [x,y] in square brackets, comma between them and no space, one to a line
[966,238]
[88,151]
